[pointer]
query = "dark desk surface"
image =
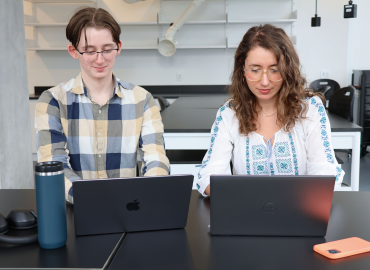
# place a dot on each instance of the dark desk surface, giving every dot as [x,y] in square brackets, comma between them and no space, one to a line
[197,114]
[79,252]
[194,248]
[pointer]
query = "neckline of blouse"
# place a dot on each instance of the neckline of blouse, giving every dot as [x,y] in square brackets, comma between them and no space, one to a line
[273,136]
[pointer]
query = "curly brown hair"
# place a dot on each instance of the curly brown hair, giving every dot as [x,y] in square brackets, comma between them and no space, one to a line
[291,106]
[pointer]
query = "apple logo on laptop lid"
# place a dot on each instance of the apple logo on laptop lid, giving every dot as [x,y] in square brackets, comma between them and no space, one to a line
[269,207]
[133,206]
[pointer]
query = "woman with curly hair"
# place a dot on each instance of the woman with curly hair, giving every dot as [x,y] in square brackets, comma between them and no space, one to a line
[272,124]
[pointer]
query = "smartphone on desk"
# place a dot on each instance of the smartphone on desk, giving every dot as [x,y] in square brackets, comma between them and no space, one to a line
[343,248]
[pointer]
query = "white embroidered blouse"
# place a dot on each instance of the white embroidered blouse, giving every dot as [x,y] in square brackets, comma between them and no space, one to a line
[305,150]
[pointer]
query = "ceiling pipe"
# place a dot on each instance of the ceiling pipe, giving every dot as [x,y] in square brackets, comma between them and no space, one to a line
[167,46]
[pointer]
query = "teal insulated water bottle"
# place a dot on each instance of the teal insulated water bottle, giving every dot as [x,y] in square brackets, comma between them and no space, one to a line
[51,205]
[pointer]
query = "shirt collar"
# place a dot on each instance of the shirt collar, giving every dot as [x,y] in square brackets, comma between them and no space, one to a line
[117,88]
[79,89]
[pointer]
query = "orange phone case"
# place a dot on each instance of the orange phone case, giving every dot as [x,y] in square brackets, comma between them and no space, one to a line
[343,248]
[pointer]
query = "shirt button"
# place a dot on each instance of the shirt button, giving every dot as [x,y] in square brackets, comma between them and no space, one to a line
[99,133]
[99,155]
[99,111]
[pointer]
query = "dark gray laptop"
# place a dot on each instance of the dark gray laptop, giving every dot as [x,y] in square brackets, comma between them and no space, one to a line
[271,205]
[131,204]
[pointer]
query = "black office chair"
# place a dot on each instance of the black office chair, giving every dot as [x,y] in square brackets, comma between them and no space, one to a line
[341,103]
[364,111]
[163,103]
[325,86]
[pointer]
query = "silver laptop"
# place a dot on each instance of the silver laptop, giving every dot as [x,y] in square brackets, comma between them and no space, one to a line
[131,204]
[271,205]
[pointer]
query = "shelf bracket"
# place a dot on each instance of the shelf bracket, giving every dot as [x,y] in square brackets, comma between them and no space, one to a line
[294,6]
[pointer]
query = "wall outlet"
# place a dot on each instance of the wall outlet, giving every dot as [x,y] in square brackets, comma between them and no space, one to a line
[179,76]
[324,74]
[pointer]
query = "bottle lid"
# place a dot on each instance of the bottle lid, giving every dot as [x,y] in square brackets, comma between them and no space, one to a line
[49,166]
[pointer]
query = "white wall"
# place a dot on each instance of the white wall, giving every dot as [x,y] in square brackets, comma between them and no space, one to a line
[359,42]
[142,67]
[324,47]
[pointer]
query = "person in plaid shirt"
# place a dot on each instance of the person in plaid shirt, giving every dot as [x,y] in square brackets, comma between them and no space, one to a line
[95,123]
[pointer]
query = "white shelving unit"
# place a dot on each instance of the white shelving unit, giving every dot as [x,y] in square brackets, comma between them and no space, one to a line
[65,24]
[197,22]
[217,24]
[46,24]
[46,49]
[61,1]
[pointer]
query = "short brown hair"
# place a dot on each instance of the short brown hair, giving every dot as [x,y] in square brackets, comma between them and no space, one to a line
[87,17]
[293,90]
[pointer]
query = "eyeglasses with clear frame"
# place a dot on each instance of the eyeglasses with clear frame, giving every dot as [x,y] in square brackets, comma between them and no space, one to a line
[255,74]
[93,56]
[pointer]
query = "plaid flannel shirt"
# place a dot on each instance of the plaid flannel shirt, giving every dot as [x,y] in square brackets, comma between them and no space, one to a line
[96,141]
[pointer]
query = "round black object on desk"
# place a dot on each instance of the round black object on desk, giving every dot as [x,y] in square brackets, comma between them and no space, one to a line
[4,227]
[18,219]
[21,219]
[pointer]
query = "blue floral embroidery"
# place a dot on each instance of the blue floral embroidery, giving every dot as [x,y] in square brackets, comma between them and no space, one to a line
[260,167]
[248,161]
[339,173]
[295,161]
[321,110]
[326,144]
[272,169]
[324,134]
[259,151]
[284,166]
[281,149]
[323,120]
[213,138]
[198,186]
